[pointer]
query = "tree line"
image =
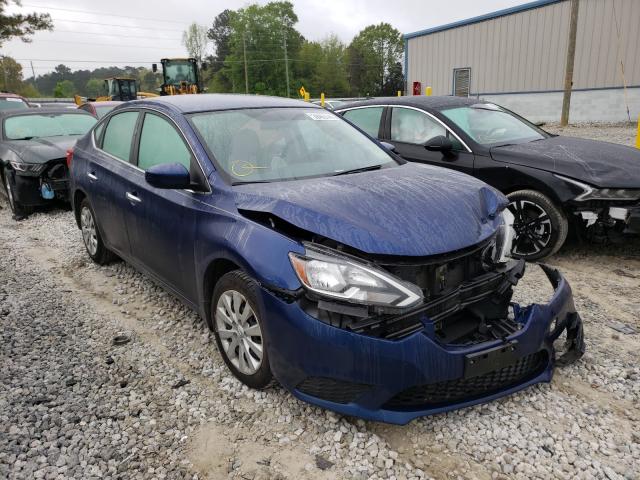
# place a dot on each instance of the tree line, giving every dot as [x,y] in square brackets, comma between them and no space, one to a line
[256,49]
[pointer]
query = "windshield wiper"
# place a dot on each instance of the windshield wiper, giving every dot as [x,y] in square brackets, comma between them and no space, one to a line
[22,138]
[251,181]
[358,170]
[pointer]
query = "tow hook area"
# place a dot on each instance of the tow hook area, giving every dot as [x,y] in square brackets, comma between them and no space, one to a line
[568,320]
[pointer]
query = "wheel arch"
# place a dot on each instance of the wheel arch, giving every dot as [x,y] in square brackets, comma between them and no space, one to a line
[214,271]
[78,196]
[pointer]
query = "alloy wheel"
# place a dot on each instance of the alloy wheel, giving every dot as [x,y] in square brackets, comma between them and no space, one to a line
[532,225]
[239,332]
[89,233]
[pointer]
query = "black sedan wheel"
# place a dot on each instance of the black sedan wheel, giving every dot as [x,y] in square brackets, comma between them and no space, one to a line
[541,227]
[19,211]
[238,327]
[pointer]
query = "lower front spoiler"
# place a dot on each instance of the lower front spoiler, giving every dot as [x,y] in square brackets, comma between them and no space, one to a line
[370,378]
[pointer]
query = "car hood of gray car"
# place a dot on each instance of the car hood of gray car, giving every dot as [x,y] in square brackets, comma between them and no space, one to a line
[41,150]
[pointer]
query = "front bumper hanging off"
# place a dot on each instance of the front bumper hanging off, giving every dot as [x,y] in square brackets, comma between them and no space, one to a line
[396,381]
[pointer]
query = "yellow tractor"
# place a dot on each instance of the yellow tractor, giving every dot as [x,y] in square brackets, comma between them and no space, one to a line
[179,76]
[117,89]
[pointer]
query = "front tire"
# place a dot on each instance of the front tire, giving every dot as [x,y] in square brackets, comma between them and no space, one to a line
[238,325]
[19,211]
[91,235]
[541,227]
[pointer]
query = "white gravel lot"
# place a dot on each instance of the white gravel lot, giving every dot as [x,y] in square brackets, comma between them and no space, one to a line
[73,405]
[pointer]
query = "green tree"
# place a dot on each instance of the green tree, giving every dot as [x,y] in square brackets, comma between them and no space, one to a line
[10,74]
[18,25]
[28,90]
[94,88]
[373,55]
[263,31]
[195,40]
[64,89]
[220,36]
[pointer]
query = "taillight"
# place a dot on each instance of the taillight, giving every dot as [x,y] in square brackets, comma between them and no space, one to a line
[69,157]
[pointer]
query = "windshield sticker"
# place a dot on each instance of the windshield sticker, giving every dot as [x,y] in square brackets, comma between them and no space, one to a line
[242,168]
[12,99]
[321,116]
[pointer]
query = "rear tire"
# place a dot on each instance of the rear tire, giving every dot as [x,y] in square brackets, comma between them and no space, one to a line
[19,211]
[238,325]
[541,227]
[91,235]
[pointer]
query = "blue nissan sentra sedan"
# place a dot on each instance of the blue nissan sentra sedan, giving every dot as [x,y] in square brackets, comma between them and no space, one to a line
[362,283]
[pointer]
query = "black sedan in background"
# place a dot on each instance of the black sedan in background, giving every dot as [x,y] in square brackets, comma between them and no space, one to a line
[33,149]
[551,181]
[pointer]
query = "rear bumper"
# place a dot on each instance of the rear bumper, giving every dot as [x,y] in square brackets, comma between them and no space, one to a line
[397,381]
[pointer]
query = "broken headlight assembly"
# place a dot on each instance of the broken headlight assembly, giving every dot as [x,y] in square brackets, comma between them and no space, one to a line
[333,275]
[499,250]
[611,194]
[27,168]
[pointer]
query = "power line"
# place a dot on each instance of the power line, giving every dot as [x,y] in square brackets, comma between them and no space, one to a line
[99,13]
[116,35]
[117,25]
[112,45]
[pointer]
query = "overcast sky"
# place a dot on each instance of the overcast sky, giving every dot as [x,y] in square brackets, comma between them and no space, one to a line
[88,33]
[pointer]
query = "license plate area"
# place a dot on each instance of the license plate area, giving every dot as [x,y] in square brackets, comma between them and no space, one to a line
[495,358]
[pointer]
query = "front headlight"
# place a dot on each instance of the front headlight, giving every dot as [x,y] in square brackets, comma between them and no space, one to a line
[334,275]
[592,193]
[32,168]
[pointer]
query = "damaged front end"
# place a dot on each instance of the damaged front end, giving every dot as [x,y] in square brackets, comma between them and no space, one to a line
[464,341]
[38,183]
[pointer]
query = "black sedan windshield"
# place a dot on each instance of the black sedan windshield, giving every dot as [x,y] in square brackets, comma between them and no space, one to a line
[491,125]
[258,145]
[37,126]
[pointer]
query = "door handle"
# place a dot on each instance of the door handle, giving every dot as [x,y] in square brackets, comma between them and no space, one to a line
[92,176]
[132,198]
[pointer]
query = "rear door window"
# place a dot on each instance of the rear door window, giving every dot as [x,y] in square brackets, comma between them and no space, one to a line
[119,134]
[368,119]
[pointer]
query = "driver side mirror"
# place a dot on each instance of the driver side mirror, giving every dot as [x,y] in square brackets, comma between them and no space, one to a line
[439,143]
[168,176]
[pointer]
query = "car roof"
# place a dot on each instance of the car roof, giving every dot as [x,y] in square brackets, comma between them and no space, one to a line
[42,111]
[204,102]
[419,101]
[11,95]
[109,103]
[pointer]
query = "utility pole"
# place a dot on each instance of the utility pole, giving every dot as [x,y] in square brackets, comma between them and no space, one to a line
[571,54]
[286,61]
[33,72]
[246,75]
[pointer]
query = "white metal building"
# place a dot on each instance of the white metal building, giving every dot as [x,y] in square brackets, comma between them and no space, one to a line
[517,57]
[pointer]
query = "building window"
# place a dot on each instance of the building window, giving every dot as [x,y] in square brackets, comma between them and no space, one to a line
[461,82]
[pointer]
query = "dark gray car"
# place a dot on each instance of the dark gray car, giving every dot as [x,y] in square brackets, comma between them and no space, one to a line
[33,149]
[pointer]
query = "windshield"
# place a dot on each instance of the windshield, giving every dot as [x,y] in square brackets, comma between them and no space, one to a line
[258,145]
[43,125]
[491,125]
[12,103]
[176,72]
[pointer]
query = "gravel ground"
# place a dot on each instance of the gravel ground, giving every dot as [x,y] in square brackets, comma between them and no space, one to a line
[73,405]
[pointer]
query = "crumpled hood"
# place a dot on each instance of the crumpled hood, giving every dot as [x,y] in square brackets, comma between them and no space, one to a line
[409,210]
[602,164]
[41,150]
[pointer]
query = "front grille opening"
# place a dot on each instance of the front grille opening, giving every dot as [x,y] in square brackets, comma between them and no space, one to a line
[439,394]
[332,390]
[486,320]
